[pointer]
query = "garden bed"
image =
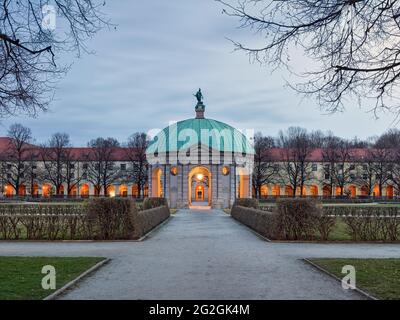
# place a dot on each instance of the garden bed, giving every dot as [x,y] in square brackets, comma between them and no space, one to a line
[96,219]
[21,277]
[378,277]
[308,220]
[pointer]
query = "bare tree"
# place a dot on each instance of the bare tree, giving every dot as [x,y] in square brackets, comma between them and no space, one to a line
[296,147]
[53,156]
[265,168]
[395,171]
[73,174]
[100,160]
[136,153]
[30,45]
[16,157]
[366,173]
[389,139]
[353,45]
[382,167]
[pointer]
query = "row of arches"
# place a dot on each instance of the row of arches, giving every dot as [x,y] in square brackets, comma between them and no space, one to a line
[351,191]
[47,190]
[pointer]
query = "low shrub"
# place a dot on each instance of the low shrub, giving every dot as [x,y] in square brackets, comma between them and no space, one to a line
[111,218]
[299,219]
[247,202]
[150,203]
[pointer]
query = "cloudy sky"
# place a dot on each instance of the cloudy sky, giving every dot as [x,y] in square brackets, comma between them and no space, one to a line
[143,75]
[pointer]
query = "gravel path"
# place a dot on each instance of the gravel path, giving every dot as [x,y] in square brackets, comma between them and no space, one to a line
[205,255]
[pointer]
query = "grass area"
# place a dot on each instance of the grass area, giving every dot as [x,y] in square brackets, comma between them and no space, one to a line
[379,277]
[21,277]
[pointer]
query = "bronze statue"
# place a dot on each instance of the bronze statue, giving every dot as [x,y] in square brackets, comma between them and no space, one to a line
[199,96]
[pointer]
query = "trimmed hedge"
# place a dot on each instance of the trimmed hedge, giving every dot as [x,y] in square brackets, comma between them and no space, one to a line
[98,219]
[259,220]
[306,219]
[293,219]
[148,219]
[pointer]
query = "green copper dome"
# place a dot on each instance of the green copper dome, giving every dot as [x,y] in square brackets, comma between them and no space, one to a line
[215,134]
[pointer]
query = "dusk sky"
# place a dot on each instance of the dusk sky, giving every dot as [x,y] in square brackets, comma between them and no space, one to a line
[143,75]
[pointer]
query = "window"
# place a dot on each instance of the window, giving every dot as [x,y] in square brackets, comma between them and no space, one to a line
[85,166]
[72,175]
[327,176]
[314,167]
[9,176]
[352,167]
[9,166]
[34,166]
[34,175]
[352,176]
[84,176]
[340,166]
[365,176]
[123,166]
[72,166]
[365,167]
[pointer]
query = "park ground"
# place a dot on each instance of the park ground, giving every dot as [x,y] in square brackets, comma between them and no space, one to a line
[205,254]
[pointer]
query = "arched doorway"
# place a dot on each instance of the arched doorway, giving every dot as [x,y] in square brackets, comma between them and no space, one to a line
[289,191]
[123,190]
[84,190]
[156,186]
[47,190]
[199,186]
[327,191]
[244,184]
[352,191]
[389,192]
[314,191]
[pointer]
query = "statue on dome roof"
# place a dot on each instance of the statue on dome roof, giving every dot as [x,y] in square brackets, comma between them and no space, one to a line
[199,96]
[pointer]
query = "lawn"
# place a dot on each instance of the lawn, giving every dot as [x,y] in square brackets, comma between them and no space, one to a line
[379,277]
[21,277]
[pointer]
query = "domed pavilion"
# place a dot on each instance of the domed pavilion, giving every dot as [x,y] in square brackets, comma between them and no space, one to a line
[200,162]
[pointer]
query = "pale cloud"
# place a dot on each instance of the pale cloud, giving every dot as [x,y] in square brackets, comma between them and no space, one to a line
[144,73]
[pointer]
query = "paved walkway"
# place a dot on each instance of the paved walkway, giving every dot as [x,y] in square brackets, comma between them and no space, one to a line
[205,255]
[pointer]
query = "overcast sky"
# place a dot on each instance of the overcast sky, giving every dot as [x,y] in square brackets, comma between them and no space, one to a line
[143,75]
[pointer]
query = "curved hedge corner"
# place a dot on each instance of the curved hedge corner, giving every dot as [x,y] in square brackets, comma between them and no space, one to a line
[247,202]
[259,220]
[150,203]
[147,220]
